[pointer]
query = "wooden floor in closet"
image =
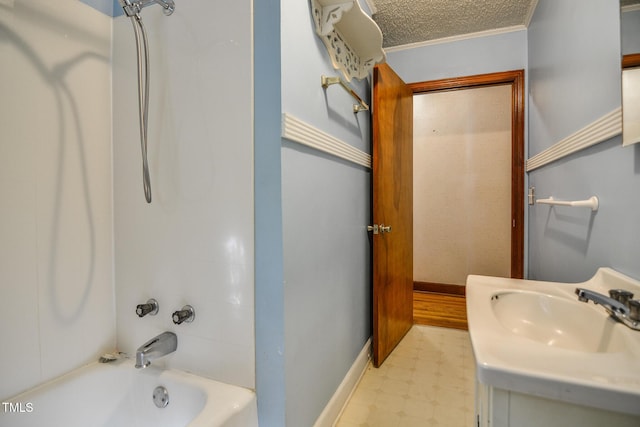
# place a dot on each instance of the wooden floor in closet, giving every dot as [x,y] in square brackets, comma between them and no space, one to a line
[444,310]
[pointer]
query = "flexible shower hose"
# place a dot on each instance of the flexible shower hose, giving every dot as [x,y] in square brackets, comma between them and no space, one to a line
[143,97]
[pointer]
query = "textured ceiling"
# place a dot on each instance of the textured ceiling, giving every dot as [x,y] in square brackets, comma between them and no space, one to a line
[413,21]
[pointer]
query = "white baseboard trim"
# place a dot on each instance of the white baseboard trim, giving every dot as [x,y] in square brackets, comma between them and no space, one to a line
[338,401]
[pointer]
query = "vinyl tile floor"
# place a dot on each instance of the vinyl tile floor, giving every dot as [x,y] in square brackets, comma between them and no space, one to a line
[428,380]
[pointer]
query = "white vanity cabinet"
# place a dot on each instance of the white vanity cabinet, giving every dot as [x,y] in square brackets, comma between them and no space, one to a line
[497,407]
[545,358]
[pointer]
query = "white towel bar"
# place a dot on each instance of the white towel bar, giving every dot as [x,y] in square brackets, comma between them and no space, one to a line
[591,202]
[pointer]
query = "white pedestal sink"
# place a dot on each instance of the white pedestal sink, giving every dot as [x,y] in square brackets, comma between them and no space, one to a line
[535,342]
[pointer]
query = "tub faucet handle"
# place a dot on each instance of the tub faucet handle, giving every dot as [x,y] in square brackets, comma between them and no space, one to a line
[151,307]
[187,314]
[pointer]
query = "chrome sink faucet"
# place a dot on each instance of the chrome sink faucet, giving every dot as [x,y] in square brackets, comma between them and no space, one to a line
[158,346]
[619,305]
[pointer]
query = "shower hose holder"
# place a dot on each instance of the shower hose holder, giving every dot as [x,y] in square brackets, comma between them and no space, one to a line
[132,8]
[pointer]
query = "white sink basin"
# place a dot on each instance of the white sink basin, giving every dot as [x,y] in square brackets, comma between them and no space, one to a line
[558,322]
[536,338]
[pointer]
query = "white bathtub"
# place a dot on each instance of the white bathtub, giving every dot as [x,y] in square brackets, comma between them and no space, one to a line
[117,394]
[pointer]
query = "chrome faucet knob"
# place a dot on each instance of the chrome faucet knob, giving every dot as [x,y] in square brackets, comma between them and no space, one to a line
[634,310]
[621,295]
[168,6]
[151,307]
[187,314]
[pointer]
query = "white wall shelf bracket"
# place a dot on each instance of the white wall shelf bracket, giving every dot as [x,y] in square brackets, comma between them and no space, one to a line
[353,40]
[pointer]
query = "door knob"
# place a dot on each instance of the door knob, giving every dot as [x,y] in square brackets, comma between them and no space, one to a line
[379,228]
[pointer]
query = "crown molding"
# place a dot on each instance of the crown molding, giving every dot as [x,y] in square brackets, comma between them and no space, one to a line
[457,38]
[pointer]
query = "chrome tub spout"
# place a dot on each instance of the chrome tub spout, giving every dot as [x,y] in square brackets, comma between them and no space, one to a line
[156,347]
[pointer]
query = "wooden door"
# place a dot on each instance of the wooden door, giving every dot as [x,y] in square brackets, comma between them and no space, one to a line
[392,207]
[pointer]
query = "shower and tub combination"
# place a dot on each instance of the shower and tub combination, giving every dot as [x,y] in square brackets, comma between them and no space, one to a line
[118,393]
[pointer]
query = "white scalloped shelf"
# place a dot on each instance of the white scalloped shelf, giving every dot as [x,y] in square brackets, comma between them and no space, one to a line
[352,38]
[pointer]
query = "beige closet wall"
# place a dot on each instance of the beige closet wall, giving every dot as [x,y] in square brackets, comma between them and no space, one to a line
[462,184]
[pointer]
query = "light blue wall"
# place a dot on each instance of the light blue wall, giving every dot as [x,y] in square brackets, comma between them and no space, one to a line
[569,244]
[574,60]
[269,280]
[325,210]
[630,29]
[327,281]
[105,6]
[500,52]
[574,69]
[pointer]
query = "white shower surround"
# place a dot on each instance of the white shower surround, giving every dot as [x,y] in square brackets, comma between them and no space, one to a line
[56,258]
[194,243]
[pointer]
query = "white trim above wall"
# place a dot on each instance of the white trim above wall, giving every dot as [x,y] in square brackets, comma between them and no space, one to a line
[303,133]
[451,39]
[532,10]
[600,130]
[630,8]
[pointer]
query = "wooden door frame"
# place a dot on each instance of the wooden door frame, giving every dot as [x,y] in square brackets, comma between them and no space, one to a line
[631,60]
[516,79]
